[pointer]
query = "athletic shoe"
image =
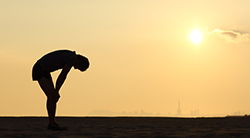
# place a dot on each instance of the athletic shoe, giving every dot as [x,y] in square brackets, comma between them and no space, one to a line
[56,127]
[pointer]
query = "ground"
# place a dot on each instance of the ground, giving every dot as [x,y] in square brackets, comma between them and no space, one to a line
[123,127]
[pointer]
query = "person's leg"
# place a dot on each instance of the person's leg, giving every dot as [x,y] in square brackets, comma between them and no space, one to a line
[48,88]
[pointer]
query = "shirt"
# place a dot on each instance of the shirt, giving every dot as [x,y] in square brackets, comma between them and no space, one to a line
[57,60]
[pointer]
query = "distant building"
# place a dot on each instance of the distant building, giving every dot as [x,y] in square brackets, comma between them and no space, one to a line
[179,109]
[198,112]
[195,112]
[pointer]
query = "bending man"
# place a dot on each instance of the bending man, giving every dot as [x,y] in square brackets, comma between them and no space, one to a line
[60,59]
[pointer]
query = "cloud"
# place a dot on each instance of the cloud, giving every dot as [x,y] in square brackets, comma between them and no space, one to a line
[231,36]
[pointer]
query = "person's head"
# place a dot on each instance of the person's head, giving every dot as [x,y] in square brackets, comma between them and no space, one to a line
[82,63]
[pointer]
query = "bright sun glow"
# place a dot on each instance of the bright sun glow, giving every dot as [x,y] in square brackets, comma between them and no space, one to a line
[196,36]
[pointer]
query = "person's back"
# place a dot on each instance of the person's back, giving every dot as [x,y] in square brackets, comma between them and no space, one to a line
[57,59]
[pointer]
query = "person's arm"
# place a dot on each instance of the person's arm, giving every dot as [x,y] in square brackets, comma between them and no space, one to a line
[62,76]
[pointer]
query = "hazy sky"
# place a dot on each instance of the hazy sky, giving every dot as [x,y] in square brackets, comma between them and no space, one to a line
[140,53]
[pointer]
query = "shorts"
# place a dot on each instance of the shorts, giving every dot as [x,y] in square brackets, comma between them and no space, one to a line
[38,73]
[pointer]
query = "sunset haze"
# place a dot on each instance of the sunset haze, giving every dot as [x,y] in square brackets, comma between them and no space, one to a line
[140,52]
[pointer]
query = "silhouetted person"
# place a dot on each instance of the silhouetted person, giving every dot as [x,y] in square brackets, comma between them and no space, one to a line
[60,59]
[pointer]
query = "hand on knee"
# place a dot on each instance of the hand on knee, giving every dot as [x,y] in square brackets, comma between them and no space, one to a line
[51,100]
[54,97]
[57,96]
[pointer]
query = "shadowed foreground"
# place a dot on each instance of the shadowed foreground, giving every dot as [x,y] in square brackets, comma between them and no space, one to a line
[95,127]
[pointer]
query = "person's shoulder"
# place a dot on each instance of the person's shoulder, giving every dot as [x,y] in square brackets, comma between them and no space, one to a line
[67,51]
[70,57]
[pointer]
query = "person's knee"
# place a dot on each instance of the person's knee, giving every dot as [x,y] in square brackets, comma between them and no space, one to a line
[51,99]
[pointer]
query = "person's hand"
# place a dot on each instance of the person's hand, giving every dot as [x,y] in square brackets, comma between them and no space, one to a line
[56,96]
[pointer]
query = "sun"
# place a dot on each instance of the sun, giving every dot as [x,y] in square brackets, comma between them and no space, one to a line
[196,36]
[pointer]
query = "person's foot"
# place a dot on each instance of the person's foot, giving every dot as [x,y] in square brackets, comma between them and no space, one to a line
[56,127]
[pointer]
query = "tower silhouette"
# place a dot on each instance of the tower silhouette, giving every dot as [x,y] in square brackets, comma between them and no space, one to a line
[179,109]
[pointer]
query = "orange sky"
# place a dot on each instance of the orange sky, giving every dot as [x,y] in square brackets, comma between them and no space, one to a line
[140,53]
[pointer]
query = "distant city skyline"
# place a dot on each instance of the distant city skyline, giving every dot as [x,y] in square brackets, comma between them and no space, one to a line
[192,113]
